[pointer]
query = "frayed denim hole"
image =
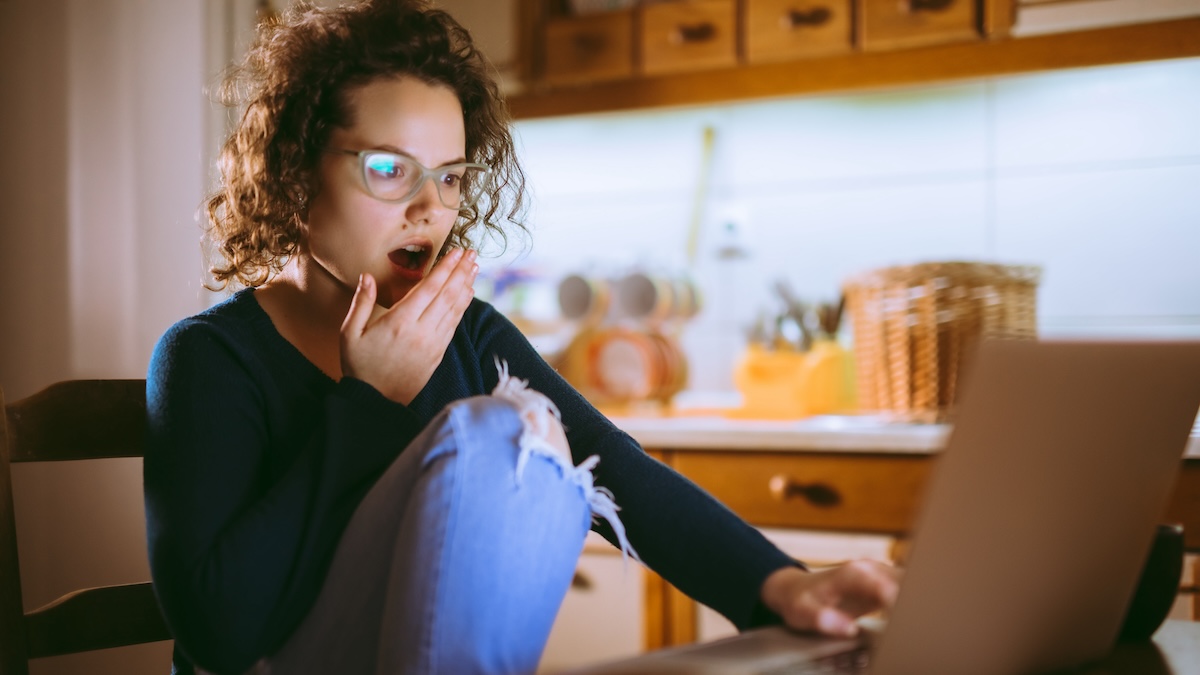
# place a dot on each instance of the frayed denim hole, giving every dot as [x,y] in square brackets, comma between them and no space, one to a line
[534,410]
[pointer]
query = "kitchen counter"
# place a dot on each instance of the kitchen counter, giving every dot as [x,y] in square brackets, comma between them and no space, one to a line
[823,433]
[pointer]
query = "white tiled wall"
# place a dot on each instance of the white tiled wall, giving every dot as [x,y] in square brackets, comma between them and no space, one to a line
[1093,174]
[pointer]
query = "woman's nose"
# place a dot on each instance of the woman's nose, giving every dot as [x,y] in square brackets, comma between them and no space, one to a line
[425,202]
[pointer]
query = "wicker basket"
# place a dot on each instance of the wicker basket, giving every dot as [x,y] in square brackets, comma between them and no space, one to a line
[914,324]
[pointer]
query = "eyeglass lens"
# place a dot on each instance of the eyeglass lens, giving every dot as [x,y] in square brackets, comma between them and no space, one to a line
[397,178]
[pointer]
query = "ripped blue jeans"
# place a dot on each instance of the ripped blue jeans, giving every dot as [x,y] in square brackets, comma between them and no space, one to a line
[459,557]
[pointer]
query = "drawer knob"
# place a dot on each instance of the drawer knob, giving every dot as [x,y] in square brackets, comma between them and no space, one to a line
[581,582]
[795,18]
[692,33]
[817,494]
[588,44]
[929,5]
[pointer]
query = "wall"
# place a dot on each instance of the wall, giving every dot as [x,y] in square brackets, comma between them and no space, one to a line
[102,173]
[1089,173]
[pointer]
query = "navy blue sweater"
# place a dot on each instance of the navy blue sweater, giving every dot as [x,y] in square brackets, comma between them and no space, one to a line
[255,461]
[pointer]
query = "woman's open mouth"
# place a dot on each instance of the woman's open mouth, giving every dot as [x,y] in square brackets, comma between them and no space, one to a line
[410,261]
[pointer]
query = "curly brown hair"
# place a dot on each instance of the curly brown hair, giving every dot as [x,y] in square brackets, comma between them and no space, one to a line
[294,83]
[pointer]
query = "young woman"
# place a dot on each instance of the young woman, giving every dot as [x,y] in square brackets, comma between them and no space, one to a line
[341,474]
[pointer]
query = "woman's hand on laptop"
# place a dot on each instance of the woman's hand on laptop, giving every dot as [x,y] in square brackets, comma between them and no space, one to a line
[828,601]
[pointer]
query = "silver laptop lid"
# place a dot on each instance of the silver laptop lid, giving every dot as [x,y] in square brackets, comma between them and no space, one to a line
[1041,510]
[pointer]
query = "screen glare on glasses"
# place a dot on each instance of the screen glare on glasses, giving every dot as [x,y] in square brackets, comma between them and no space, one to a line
[393,177]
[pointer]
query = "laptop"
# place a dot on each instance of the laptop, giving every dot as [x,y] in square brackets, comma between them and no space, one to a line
[1034,528]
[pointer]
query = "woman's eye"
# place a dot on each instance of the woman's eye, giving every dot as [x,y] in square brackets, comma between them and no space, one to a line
[451,180]
[387,169]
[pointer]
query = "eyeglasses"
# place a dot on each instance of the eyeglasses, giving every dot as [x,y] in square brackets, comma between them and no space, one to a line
[391,177]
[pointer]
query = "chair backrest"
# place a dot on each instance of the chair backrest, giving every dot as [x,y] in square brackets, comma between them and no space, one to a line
[74,420]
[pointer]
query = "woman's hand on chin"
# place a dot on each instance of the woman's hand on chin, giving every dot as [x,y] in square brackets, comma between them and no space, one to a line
[397,350]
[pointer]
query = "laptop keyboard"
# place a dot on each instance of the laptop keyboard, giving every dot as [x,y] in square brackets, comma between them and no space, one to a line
[853,662]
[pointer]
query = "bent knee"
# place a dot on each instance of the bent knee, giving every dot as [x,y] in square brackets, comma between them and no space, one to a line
[485,410]
[483,422]
[496,422]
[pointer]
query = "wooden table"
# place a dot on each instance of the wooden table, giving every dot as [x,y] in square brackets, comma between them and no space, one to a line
[854,479]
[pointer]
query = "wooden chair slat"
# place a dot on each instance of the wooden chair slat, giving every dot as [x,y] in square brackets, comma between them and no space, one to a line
[78,419]
[13,660]
[107,419]
[129,615]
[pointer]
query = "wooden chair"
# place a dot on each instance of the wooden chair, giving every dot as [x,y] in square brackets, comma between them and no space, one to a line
[79,419]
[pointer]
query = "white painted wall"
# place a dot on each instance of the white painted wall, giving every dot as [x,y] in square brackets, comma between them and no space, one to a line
[1091,173]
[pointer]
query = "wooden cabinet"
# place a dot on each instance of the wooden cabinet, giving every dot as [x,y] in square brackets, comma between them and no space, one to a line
[795,47]
[896,24]
[865,493]
[694,35]
[655,38]
[554,62]
[785,30]
[588,48]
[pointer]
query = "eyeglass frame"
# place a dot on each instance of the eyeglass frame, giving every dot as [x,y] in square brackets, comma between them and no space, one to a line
[426,174]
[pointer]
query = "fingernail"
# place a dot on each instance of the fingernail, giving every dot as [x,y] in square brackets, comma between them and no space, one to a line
[832,622]
[472,254]
[474,270]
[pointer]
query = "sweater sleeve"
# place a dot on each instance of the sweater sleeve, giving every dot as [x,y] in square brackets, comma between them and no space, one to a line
[240,539]
[679,530]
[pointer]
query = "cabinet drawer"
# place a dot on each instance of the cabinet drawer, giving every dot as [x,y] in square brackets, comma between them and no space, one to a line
[890,24]
[779,30]
[689,35]
[871,493]
[589,48]
[602,618]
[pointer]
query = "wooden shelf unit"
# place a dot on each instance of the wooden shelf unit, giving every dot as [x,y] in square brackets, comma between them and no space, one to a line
[1179,38]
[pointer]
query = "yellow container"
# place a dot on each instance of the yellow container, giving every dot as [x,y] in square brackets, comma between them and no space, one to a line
[826,382]
[787,384]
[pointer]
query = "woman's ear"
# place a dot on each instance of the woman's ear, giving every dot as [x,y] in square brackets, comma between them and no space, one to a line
[302,201]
